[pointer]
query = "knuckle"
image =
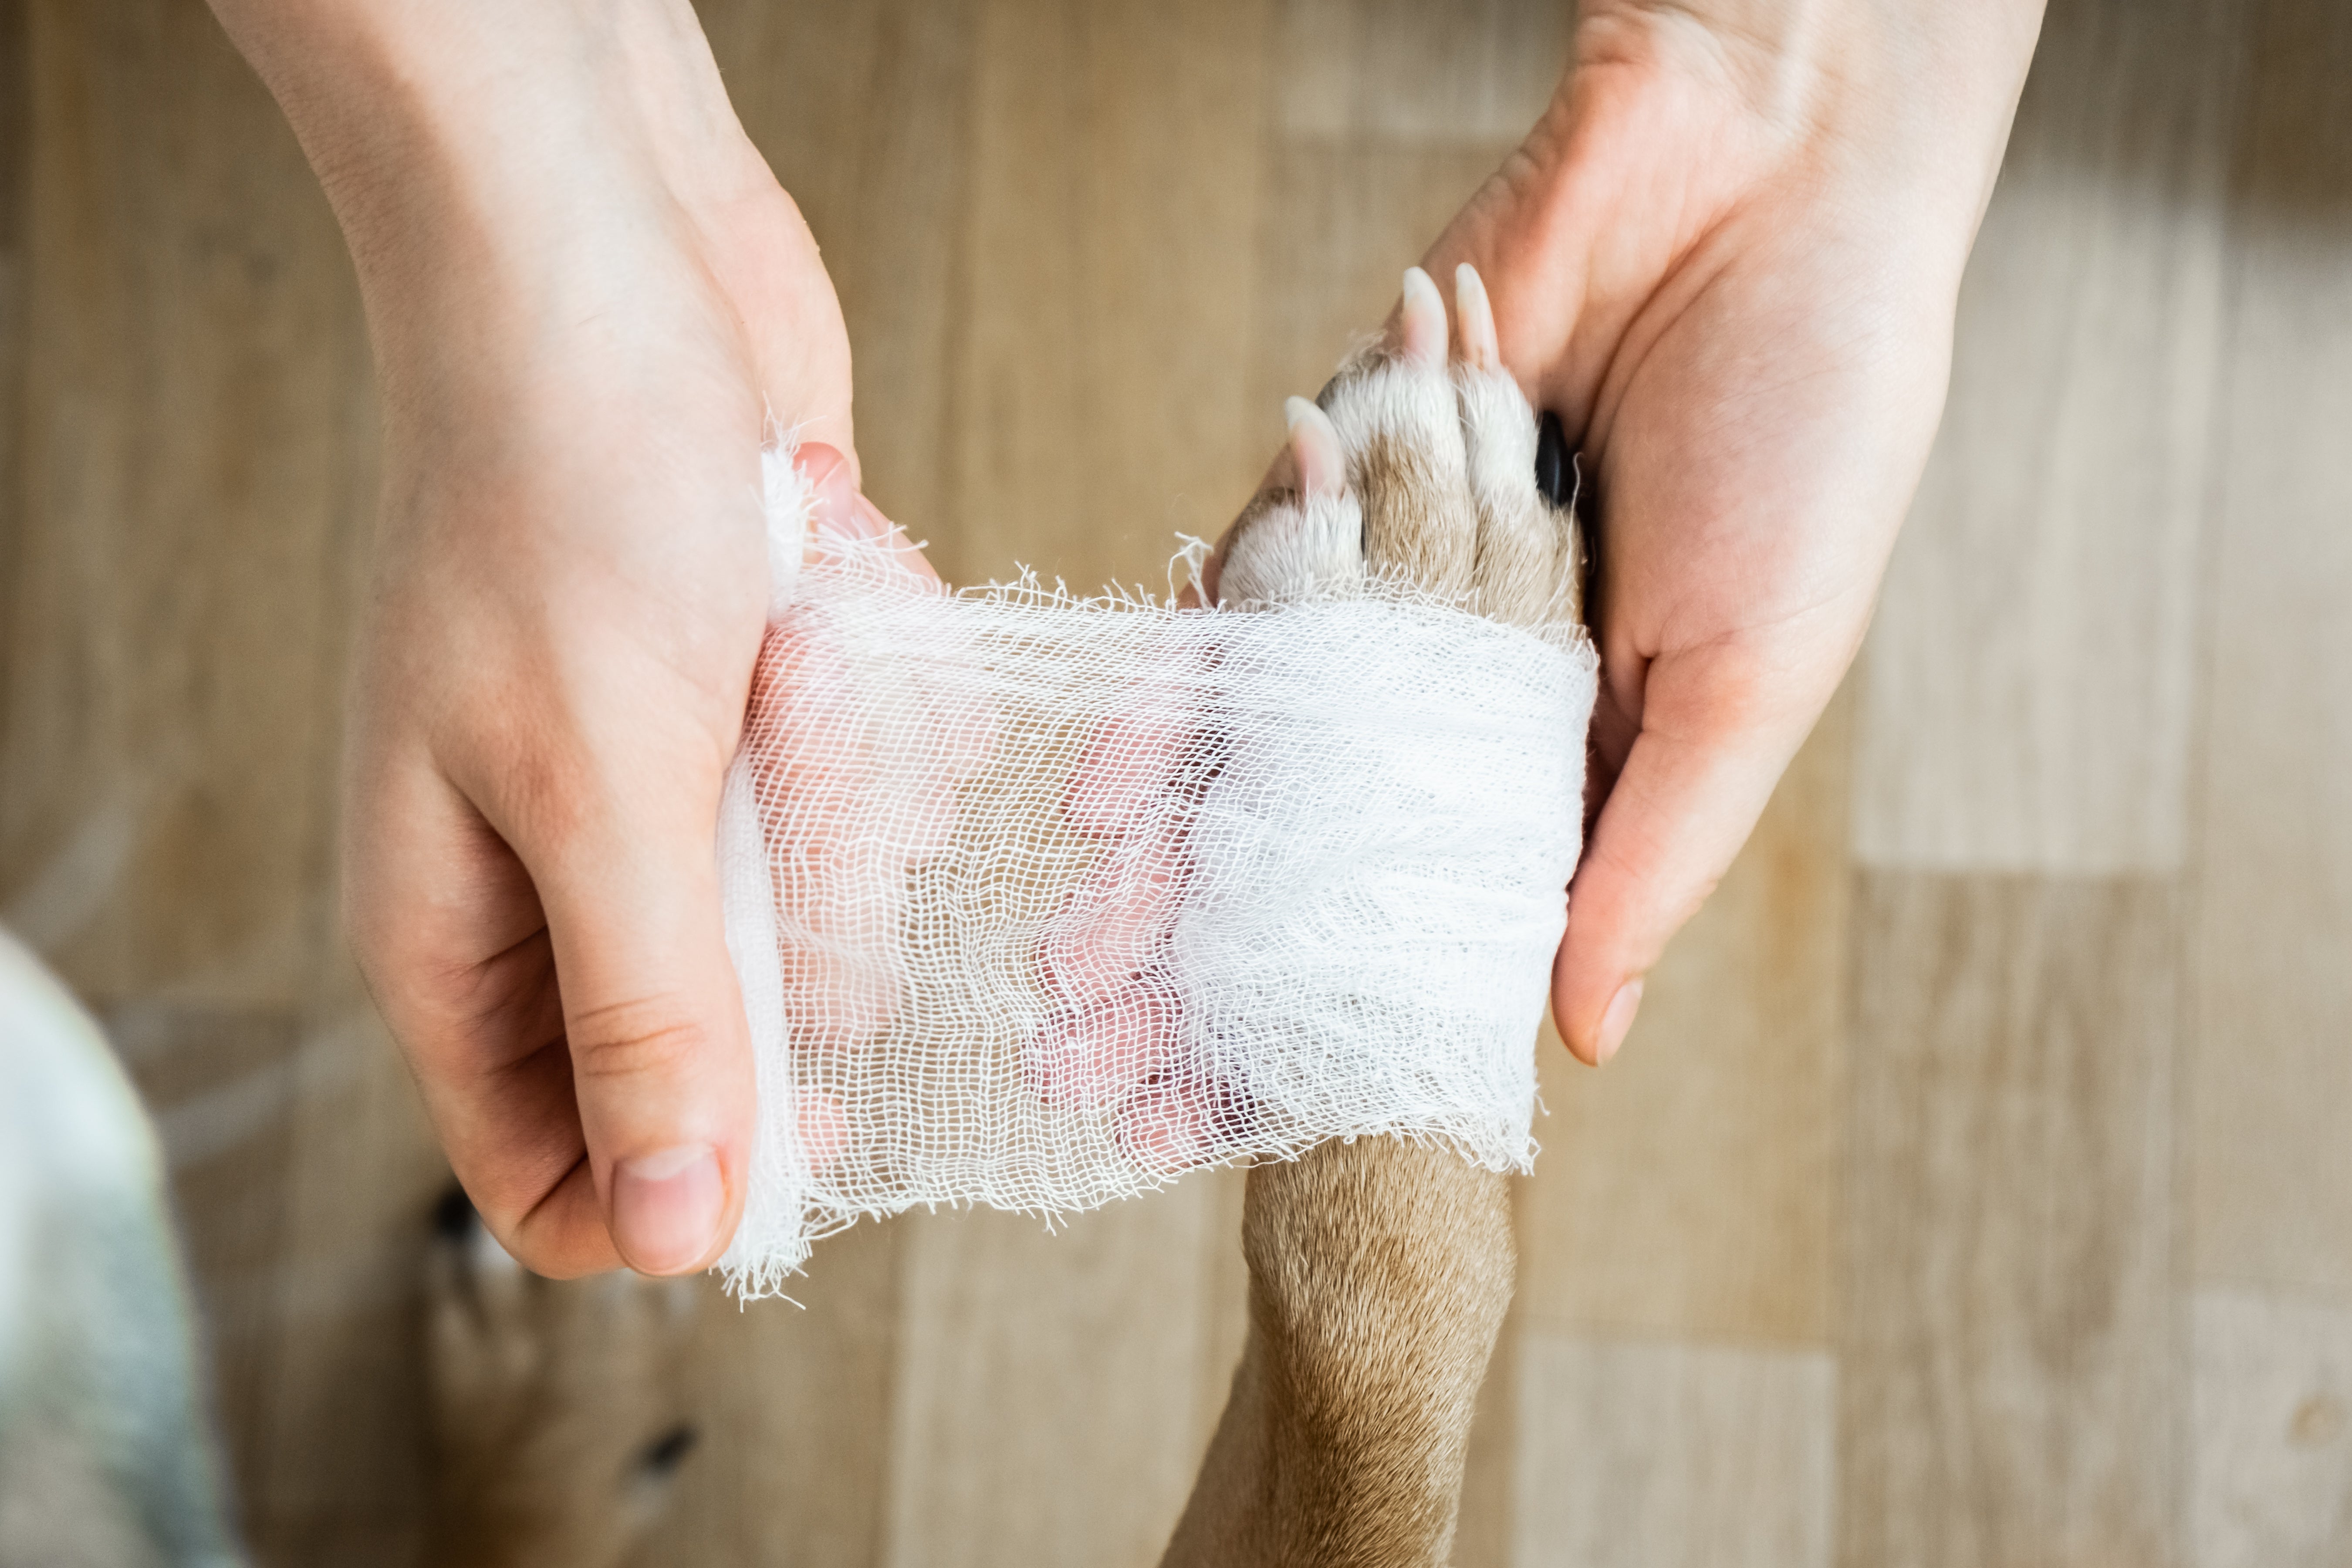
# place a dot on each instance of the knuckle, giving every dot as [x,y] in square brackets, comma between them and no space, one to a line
[634,1039]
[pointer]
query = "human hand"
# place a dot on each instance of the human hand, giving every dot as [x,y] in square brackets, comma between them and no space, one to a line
[588,299]
[1727,259]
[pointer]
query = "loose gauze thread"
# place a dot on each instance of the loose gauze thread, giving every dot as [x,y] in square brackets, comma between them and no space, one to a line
[1037,901]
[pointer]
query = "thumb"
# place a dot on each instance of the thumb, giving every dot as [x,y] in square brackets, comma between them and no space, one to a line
[840,510]
[661,1055]
[1681,806]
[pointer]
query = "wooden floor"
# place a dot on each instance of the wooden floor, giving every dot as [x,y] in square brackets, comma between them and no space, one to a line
[1975,1191]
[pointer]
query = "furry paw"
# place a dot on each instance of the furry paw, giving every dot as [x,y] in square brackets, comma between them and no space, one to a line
[556,1423]
[1422,463]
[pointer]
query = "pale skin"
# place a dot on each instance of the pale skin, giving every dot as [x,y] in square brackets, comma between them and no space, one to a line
[1727,259]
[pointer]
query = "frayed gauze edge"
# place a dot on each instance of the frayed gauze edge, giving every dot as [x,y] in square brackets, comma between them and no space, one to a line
[1372,884]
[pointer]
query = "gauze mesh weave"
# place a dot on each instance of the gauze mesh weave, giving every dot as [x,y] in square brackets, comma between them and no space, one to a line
[1038,902]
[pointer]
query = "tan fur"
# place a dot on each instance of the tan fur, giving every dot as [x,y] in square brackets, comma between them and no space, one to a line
[1379,1274]
[556,1420]
[1379,1270]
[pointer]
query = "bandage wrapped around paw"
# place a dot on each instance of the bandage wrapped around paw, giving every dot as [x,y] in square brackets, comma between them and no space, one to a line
[1038,902]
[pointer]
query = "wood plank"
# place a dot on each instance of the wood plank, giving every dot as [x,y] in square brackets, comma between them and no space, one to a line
[1360,72]
[1044,1412]
[1106,299]
[864,108]
[219,1083]
[2006,1385]
[15,141]
[336,1308]
[197,480]
[794,1407]
[2028,694]
[2272,1092]
[1689,1188]
[198,470]
[2270,1438]
[1664,1453]
[1342,225]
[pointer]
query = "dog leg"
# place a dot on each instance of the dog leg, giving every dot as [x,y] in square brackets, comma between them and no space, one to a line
[1380,1270]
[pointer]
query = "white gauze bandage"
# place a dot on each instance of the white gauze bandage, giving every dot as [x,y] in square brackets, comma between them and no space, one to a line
[1038,902]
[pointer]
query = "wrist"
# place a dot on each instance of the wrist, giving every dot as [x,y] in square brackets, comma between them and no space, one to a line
[1906,100]
[498,129]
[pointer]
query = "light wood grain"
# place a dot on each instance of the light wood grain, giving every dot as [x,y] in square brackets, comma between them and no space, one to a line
[793,1403]
[1053,1393]
[2273,948]
[2270,1439]
[864,110]
[2005,1383]
[1106,308]
[1360,73]
[341,1475]
[1044,1409]
[1668,1453]
[15,143]
[220,1083]
[2028,689]
[195,481]
[198,475]
[1690,1187]
[1342,225]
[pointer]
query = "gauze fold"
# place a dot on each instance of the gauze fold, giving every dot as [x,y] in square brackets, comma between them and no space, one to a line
[1037,903]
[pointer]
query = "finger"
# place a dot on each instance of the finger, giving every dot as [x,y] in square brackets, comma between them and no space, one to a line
[1168,1127]
[661,1055]
[1117,924]
[451,936]
[1096,1053]
[1123,775]
[1682,806]
[838,511]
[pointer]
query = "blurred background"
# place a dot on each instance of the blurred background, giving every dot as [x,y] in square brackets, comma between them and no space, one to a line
[1977,1186]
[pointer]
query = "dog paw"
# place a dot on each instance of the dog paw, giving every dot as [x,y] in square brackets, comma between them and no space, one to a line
[1420,462]
[557,1429]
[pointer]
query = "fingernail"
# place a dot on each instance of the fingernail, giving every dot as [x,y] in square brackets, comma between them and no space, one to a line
[1615,1022]
[870,518]
[817,462]
[851,518]
[666,1207]
[1295,409]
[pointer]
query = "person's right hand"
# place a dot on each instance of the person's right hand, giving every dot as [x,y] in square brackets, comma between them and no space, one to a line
[589,300]
[1727,259]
